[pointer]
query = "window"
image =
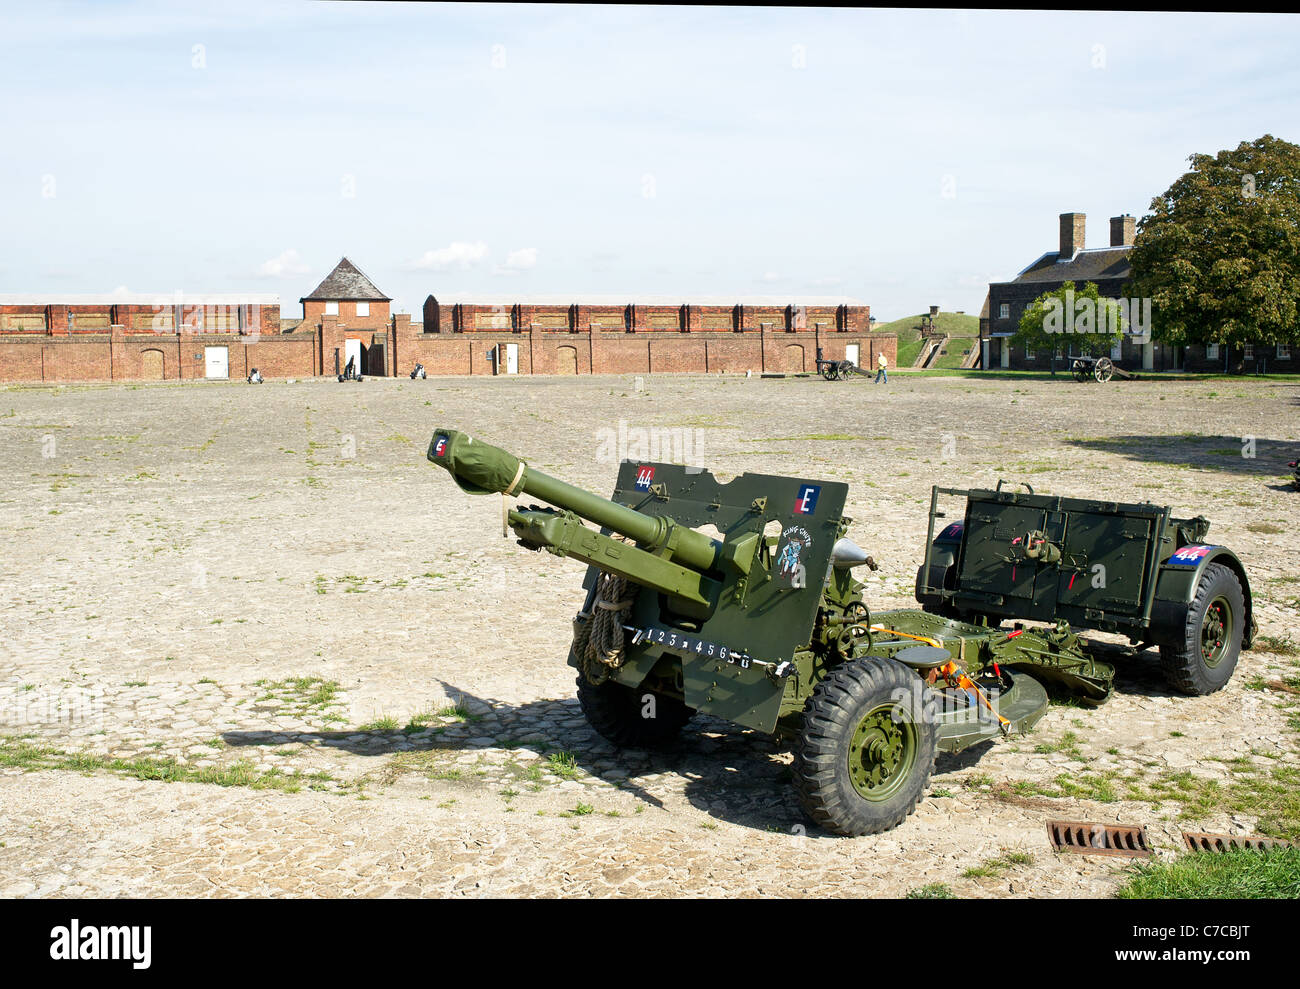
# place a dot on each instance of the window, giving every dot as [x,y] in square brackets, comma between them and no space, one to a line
[1212,351]
[331,309]
[1248,351]
[1029,353]
[1283,352]
[1117,350]
[363,308]
[1004,311]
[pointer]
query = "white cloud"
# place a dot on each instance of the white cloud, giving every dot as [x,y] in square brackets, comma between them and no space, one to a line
[771,276]
[458,254]
[121,292]
[516,261]
[287,263]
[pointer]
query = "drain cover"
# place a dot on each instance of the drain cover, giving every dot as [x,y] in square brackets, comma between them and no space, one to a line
[1099,839]
[1199,841]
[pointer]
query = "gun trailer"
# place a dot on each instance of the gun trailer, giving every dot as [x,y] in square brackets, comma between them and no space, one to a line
[765,625]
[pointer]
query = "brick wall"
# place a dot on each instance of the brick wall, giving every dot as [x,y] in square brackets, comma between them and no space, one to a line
[673,340]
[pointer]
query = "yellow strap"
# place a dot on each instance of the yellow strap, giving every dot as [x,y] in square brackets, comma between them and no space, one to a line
[905,635]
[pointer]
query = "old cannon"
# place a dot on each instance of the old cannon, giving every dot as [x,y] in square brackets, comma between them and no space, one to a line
[765,625]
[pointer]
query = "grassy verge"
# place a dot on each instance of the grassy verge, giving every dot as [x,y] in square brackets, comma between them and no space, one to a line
[1243,875]
[24,755]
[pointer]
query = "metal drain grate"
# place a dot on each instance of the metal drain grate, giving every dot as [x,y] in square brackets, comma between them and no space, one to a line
[1199,841]
[1099,839]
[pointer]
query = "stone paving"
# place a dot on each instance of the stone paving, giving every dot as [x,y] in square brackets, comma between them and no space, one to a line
[255,645]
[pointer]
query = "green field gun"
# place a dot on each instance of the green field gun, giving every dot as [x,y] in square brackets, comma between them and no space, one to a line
[739,600]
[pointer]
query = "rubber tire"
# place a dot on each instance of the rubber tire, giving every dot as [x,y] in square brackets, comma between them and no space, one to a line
[1183,666]
[831,716]
[615,711]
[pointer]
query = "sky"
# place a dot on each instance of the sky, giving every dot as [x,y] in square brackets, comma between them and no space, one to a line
[894,158]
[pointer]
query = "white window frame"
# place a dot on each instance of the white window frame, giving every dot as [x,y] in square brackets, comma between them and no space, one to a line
[331,309]
[363,308]
[1117,350]
[1004,310]
[1211,351]
[1248,351]
[1284,351]
[1029,353]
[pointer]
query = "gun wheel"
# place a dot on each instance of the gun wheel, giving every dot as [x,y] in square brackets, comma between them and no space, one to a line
[867,747]
[631,718]
[1203,660]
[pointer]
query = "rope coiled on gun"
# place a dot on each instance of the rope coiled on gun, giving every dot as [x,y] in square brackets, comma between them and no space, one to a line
[598,636]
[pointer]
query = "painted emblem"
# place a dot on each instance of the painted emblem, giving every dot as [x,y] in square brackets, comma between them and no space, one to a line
[953,531]
[789,560]
[644,475]
[806,503]
[440,447]
[1190,556]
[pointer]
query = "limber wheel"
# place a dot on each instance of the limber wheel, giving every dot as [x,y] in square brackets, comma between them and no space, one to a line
[1104,369]
[631,718]
[867,746]
[1203,659]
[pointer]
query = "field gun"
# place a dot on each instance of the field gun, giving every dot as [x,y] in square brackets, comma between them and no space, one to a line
[765,625]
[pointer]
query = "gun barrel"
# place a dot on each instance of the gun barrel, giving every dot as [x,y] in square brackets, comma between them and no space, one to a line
[480,468]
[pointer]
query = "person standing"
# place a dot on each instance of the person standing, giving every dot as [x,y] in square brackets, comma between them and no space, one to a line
[882,364]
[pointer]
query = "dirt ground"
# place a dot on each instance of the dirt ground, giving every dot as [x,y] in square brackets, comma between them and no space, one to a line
[255,644]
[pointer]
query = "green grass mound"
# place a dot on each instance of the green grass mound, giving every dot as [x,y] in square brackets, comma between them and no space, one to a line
[963,331]
[1237,875]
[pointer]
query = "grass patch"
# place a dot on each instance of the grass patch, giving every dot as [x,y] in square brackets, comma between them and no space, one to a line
[1068,743]
[994,867]
[1276,645]
[1271,793]
[1240,875]
[563,765]
[931,891]
[23,755]
[304,697]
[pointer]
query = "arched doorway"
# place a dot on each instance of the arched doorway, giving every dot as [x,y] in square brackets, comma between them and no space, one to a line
[794,358]
[566,360]
[151,365]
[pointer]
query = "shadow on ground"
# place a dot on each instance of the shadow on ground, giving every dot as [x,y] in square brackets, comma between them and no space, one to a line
[730,773]
[1228,454]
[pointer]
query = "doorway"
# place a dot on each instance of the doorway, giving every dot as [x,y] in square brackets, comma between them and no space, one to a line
[216,362]
[352,352]
[151,365]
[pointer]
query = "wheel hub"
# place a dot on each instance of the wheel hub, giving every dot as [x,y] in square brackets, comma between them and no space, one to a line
[881,753]
[1216,629]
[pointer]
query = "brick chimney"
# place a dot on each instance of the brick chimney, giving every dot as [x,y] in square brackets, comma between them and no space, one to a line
[1122,230]
[1071,235]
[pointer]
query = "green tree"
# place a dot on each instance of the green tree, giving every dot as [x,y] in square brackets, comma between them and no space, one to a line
[1069,318]
[1219,255]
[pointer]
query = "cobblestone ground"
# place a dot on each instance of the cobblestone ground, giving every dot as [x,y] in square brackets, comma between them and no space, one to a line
[255,644]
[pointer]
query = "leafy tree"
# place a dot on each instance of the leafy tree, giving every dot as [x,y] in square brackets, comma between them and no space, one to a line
[1068,318]
[1219,255]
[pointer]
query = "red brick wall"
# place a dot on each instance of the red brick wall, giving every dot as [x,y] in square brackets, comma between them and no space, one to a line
[314,312]
[121,355]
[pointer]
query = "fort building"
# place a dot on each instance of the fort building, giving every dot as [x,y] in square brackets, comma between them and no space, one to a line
[347,316]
